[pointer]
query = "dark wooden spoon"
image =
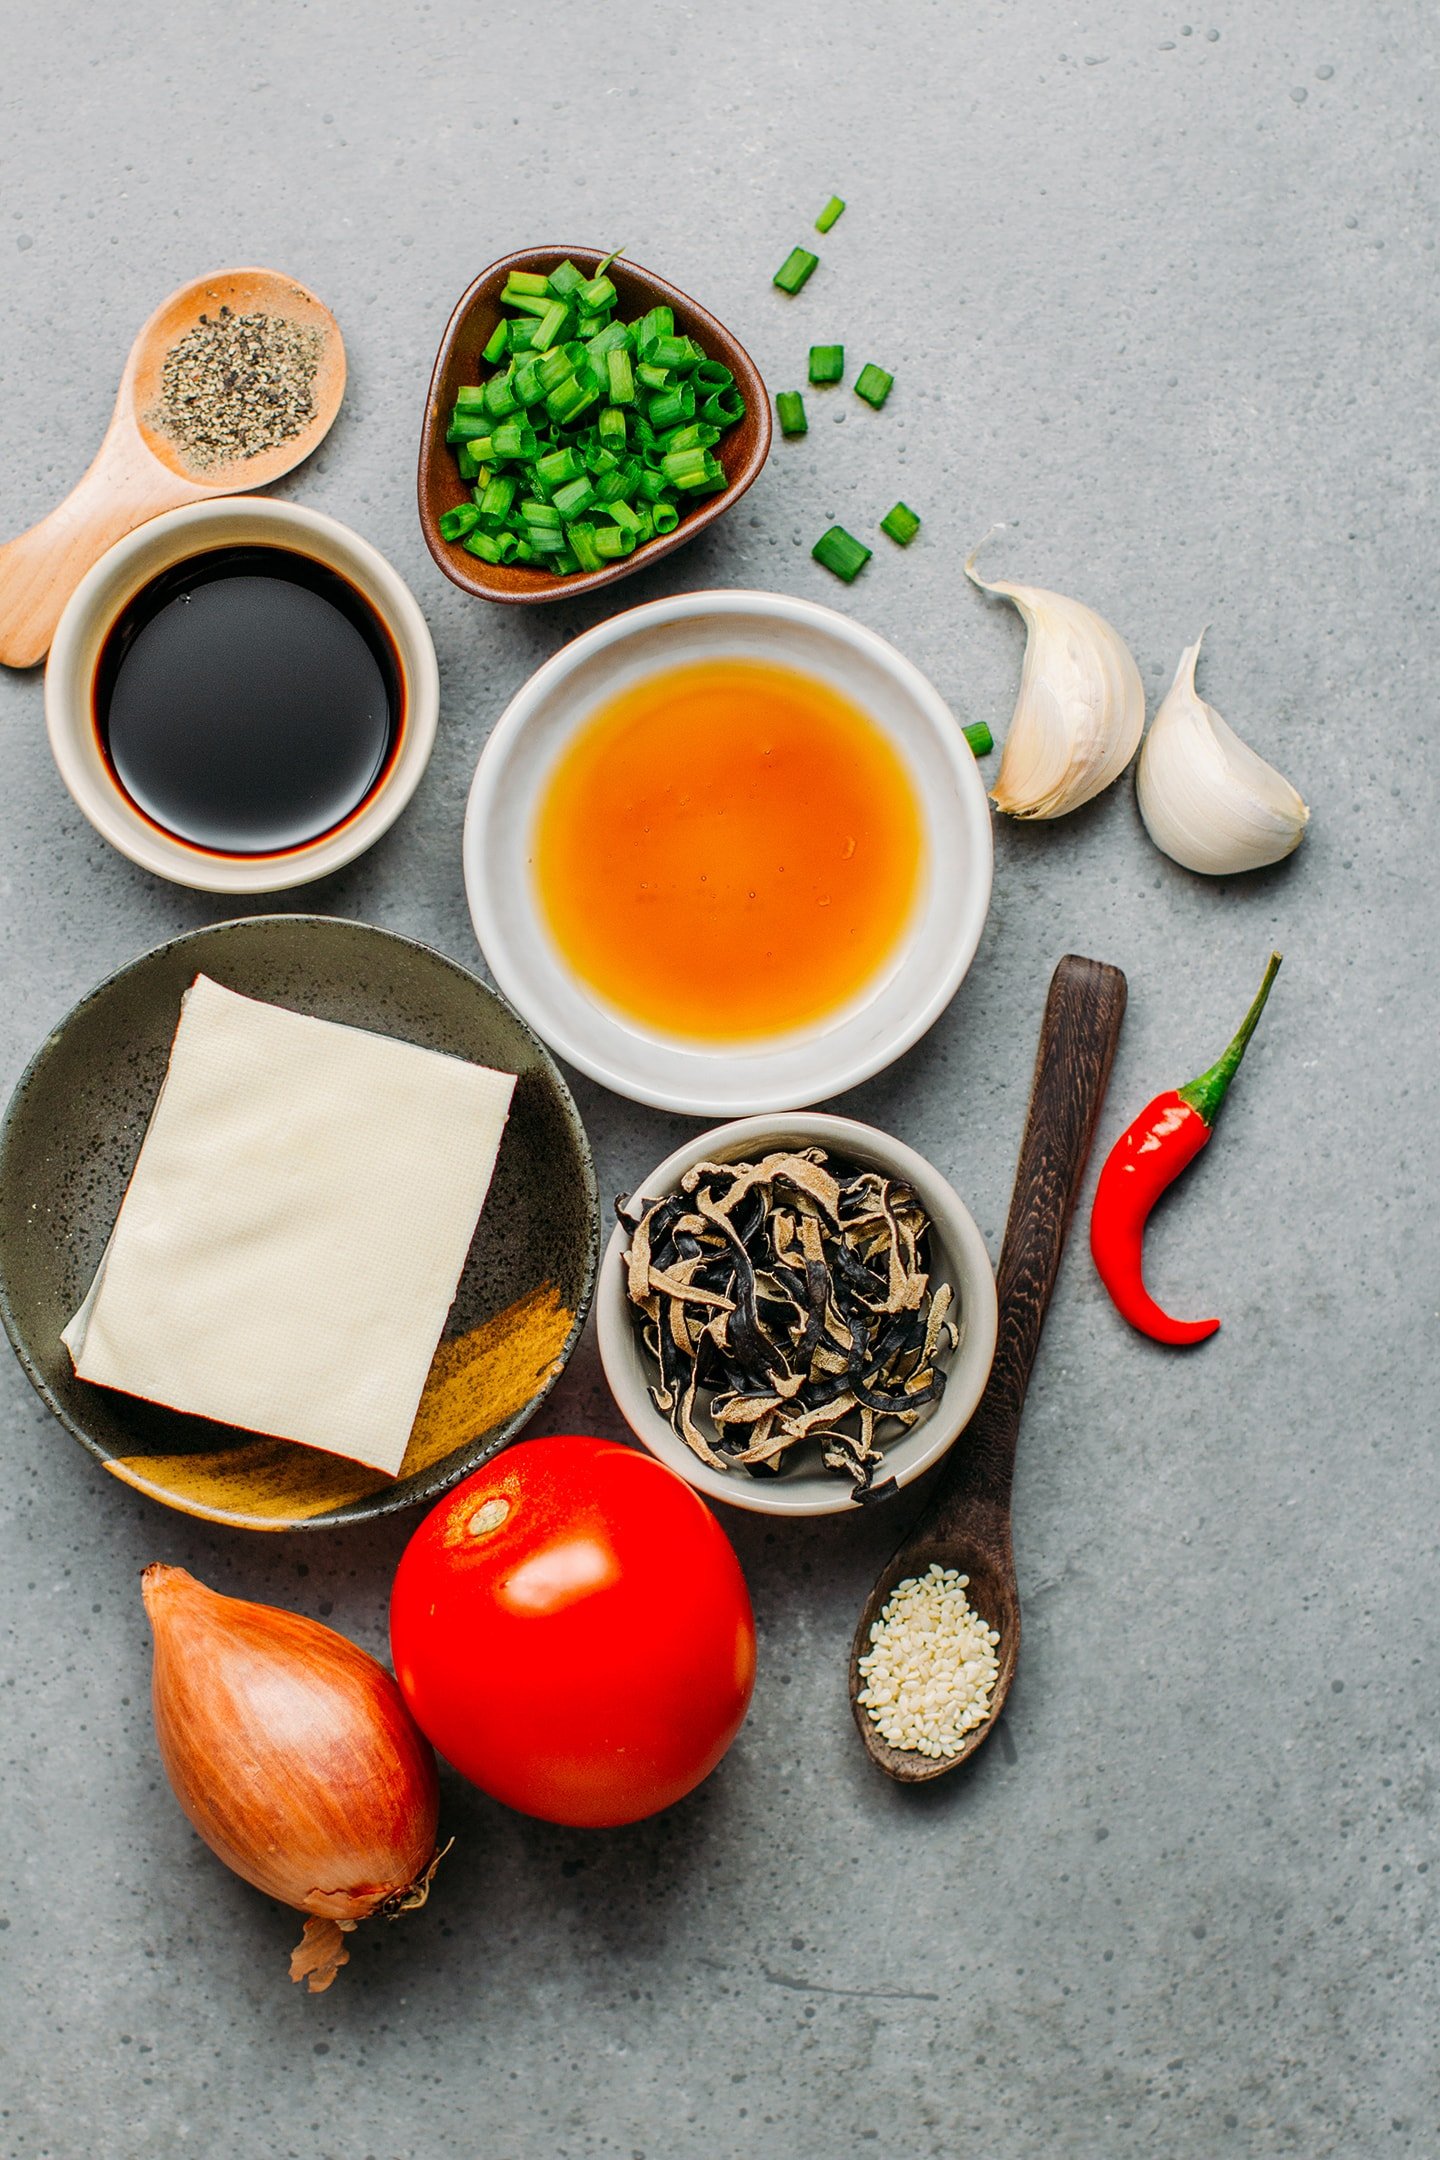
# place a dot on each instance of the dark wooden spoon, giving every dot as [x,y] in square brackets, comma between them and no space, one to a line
[966,1524]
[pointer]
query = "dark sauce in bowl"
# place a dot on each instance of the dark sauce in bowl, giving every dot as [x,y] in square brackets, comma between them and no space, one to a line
[248,700]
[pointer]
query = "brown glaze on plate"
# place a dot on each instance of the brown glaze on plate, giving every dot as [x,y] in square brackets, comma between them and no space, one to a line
[742,449]
[69,1142]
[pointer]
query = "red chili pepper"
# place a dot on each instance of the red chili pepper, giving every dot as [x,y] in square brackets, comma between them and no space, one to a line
[1166,1137]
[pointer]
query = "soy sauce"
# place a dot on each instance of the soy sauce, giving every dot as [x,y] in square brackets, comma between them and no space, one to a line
[248,700]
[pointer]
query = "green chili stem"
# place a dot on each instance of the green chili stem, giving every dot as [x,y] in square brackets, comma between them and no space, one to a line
[1208,1092]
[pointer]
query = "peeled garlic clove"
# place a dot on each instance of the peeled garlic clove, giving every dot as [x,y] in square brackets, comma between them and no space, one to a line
[1080,709]
[1206,798]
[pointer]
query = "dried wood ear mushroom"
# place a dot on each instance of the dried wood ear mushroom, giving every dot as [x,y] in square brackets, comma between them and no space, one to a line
[788,1300]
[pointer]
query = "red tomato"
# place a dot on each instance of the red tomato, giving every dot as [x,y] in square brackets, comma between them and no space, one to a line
[571,1628]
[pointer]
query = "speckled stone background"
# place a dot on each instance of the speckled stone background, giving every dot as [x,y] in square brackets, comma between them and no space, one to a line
[1160,293]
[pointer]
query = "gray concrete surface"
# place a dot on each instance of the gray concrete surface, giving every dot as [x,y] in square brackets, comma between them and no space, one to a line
[1159,292]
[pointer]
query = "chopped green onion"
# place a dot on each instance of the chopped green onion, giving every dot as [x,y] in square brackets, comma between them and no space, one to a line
[540,513]
[546,540]
[470,397]
[498,496]
[653,378]
[697,436]
[671,407]
[611,427]
[873,384]
[571,399]
[615,337]
[554,368]
[712,375]
[485,545]
[665,517]
[471,456]
[500,398]
[564,279]
[658,322]
[623,516]
[498,343]
[454,524]
[827,363]
[621,374]
[582,543]
[527,281]
[596,294]
[550,326]
[841,552]
[528,303]
[612,542]
[981,741]
[723,408]
[467,426]
[901,523]
[795,269]
[575,496]
[790,411]
[832,210]
[515,439]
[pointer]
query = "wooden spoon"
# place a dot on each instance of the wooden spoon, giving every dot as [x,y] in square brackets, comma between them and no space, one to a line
[966,1523]
[136,473]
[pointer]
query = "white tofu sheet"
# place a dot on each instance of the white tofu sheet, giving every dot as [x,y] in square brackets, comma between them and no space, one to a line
[294,1230]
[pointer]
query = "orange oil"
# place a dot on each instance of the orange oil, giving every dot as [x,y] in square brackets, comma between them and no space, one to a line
[728,850]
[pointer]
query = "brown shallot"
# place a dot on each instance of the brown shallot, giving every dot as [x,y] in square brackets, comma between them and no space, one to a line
[293,1754]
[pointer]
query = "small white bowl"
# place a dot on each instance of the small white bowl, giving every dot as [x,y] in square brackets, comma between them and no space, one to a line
[957,1256]
[90,612]
[815,1062]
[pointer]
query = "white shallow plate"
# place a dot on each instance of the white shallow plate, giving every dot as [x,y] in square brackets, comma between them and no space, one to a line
[828,1056]
[957,1256]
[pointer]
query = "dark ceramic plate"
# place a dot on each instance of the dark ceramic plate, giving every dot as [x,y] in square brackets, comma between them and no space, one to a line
[742,449]
[69,1142]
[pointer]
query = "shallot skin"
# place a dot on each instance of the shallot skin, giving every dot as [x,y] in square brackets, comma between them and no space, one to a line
[290,1749]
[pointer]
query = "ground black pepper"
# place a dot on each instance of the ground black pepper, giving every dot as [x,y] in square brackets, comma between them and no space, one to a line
[236,385]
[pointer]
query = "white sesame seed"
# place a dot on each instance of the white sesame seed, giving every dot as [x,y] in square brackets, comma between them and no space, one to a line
[931,1669]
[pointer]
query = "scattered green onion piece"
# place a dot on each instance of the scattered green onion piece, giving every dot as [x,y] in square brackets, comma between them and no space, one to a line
[841,552]
[722,409]
[873,384]
[664,517]
[827,363]
[900,523]
[790,411]
[611,427]
[485,545]
[550,326]
[498,496]
[981,741]
[454,524]
[832,210]
[498,343]
[621,374]
[795,269]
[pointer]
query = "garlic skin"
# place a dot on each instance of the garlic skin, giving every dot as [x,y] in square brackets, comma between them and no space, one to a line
[1080,709]
[1208,801]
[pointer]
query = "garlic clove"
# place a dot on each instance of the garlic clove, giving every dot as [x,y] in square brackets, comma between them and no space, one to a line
[1080,709]
[1208,800]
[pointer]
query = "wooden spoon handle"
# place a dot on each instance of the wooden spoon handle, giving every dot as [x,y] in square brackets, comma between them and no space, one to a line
[39,569]
[1078,1036]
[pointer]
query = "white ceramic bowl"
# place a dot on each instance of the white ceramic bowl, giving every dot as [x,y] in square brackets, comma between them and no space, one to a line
[957,1256]
[820,1060]
[231,521]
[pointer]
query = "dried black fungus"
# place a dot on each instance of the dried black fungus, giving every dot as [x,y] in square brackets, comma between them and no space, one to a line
[789,1300]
